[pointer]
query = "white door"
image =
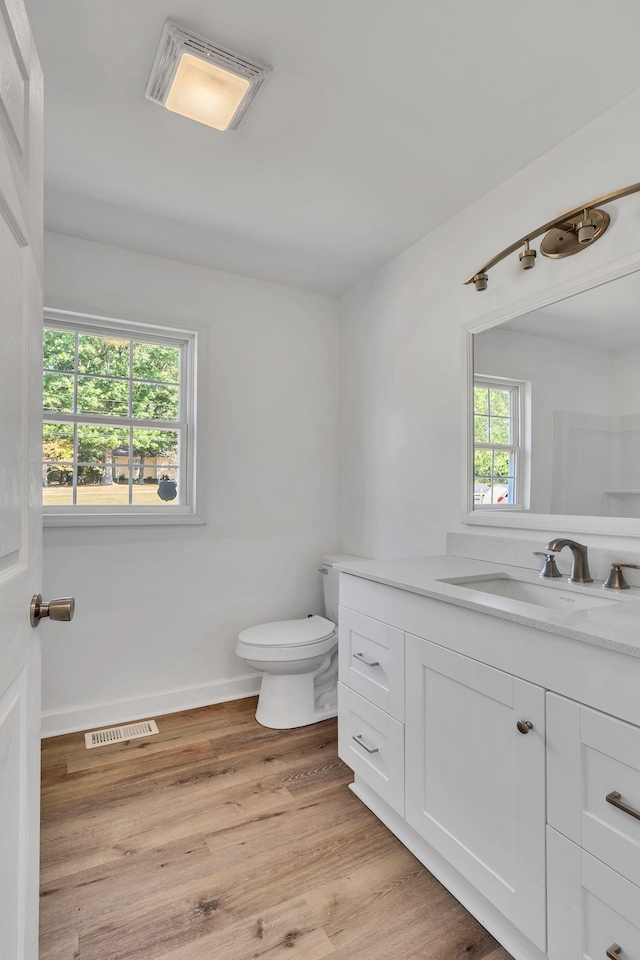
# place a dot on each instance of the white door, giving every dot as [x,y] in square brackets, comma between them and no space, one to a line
[20,478]
[474,781]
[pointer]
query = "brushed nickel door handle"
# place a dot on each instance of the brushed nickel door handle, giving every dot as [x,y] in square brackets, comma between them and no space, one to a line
[614,952]
[524,726]
[358,739]
[363,659]
[616,800]
[61,609]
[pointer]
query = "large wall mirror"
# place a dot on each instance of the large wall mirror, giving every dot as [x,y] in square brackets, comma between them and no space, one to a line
[554,414]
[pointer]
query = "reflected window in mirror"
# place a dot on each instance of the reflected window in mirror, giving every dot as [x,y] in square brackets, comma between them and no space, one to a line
[499,440]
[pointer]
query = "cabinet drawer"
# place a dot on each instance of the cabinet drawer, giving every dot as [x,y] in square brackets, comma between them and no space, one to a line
[593,757]
[372,744]
[593,911]
[371,655]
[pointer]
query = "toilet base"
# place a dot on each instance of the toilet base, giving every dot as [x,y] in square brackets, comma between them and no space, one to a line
[287,701]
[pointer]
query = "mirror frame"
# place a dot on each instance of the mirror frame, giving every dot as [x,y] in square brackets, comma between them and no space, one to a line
[522,519]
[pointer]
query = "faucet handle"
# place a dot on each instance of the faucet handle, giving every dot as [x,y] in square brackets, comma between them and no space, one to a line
[616,580]
[549,569]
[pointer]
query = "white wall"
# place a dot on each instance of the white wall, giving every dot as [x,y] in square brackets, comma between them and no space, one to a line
[401,343]
[158,609]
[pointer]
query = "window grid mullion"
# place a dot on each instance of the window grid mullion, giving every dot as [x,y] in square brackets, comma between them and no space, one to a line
[76,363]
[509,447]
[104,376]
[130,465]
[183,436]
[109,421]
[493,475]
[130,488]
[93,463]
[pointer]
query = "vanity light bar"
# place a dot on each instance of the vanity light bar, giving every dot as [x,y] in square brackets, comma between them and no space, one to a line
[570,233]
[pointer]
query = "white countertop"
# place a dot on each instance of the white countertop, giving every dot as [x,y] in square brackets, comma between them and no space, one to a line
[616,626]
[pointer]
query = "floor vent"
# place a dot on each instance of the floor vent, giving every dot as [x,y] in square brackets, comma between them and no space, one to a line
[132,731]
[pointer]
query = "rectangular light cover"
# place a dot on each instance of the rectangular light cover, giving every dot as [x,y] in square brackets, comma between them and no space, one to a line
[200,80]
[205,92]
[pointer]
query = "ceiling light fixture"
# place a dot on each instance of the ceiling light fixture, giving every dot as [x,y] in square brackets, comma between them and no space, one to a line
[201,80]
[574,231]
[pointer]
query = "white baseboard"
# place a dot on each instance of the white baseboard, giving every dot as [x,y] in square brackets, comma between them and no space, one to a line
[89,715]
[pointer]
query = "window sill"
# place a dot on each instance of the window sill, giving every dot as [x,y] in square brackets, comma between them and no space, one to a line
[120,520]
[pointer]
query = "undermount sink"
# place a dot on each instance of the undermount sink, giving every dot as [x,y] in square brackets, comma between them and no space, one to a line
[550,596]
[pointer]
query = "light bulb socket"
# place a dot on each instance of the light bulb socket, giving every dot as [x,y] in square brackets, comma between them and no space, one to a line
[586,230]
[528,258]
[480,281]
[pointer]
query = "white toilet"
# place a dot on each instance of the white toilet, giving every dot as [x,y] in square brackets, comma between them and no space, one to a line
[298,660]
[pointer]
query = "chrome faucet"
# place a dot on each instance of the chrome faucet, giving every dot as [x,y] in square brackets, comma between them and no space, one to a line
[580,566]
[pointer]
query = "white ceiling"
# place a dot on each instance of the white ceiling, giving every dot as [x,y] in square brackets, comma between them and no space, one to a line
[605,318]
[381,119]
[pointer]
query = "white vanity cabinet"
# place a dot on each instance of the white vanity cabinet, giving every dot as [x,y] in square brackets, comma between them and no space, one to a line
[475,784]
[493,750]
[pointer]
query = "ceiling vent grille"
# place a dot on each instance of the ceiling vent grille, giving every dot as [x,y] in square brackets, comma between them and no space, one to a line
[132,731]
[175,41]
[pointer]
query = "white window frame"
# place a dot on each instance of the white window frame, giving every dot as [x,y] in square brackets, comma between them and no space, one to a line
[135,514]
[521,392]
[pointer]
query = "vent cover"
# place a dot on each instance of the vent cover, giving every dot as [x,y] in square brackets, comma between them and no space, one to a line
[132,731]
[175,41]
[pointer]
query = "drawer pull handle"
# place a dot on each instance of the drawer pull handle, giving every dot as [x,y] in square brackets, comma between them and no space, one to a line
[614,952]
[358,739]
[615,799]
[524,726]
[369,663]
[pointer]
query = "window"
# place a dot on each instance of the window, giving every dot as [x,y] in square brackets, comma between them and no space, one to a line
[118,430]
[497,442]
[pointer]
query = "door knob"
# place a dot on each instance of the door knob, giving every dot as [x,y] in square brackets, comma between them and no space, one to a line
[524,726]
[60,609]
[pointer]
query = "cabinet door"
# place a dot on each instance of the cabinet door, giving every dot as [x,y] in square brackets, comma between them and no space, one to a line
[594,913]
[474,784]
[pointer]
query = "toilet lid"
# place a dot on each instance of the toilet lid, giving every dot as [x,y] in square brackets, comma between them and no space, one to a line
[283,633]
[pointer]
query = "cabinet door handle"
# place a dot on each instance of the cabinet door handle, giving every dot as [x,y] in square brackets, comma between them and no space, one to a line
[615,799]
[358,739]
[524,726]
[363,659]
[614,952]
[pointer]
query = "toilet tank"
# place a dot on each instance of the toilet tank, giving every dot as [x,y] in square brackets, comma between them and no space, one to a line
[331,581]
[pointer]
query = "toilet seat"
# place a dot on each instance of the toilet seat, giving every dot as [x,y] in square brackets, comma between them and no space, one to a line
[287,640]
[288,633]
[287,654]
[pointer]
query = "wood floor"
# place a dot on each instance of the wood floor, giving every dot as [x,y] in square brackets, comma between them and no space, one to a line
[222,840]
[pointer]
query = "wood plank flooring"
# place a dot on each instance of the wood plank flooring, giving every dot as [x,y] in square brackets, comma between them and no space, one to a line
[221,840]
